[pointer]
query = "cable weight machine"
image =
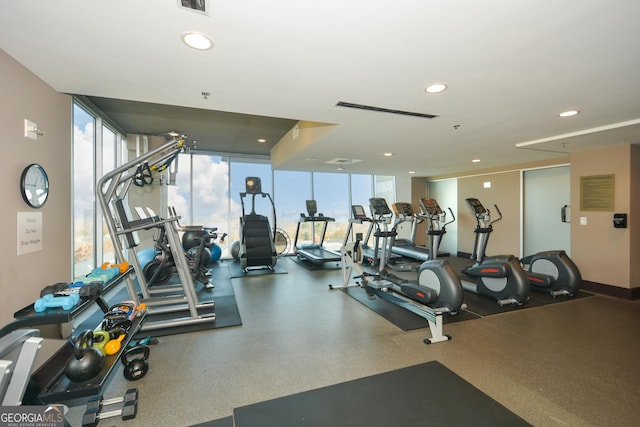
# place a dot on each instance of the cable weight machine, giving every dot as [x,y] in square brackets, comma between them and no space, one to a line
[123,228]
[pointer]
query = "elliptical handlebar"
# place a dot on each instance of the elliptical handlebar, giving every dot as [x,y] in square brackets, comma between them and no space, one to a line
[499,213]
[453,219]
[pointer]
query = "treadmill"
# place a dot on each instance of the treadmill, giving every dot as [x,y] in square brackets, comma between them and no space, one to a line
[315,253]
[407,247]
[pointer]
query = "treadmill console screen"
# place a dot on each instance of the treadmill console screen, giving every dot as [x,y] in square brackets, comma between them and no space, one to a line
[253,185]
[312,207]
[477,207]
[431,206]
[379,206]
[358,212]
[402,208]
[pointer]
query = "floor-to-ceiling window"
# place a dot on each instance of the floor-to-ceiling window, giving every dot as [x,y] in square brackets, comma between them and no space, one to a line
[292,189]
[385,186]
[84,140]
[109,162]
[211,181]
[97,149]
[331,192]
[200,195]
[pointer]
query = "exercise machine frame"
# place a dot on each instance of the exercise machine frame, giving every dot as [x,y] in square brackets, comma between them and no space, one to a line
[417,297]
[351,261]
[112,191]
[501,276]
[315,253]
[260,251]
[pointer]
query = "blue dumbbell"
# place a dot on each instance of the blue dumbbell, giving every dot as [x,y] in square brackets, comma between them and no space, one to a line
[48,301]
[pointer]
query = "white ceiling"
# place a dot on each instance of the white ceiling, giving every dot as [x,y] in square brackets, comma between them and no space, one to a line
[511,67]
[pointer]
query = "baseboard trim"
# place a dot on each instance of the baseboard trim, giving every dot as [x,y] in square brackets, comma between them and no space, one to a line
[612,291]
[600,288]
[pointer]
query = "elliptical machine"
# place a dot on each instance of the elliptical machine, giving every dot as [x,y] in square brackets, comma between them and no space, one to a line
[257,238]
[437,226]
[552,272]
[500,277]
[436,291]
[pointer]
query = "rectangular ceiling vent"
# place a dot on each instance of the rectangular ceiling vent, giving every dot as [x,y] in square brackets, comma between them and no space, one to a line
[342,161]
[200,6]
[384,110]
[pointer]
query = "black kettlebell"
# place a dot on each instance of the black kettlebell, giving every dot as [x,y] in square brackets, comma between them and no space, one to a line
[86,361]
[137,367]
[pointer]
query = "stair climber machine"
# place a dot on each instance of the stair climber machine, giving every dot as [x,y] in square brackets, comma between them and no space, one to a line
[315,253]
[500,277]
[257,238]
[436,291]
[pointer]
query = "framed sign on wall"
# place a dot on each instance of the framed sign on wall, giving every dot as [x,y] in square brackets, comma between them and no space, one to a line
[597,193]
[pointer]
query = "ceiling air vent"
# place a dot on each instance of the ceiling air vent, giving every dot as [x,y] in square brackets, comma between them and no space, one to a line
[342,161]
[384,110]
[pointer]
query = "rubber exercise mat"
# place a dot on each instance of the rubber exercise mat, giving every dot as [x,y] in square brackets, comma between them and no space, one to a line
[236,270]
[403,319]
[225,308]
[487,306]
[222,422]
[545,298]
[428,394]
[329,265]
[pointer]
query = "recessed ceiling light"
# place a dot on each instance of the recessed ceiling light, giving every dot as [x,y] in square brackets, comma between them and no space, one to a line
[412,172]
[435,88]
[197,41]
[262,140]
[569,113]
[388,154]
[476,160]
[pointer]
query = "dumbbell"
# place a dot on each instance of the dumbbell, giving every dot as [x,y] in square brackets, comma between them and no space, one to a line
[122,267]
[85,290]
[90,290]
[49,301]
[95,408]
[99,274]
[52,289]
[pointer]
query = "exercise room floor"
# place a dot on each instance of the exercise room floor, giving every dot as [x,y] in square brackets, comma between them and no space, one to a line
[567,364]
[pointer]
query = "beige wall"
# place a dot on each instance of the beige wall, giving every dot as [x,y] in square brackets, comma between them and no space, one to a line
[504,192]
[603,252]
[25,96]
[634,251]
